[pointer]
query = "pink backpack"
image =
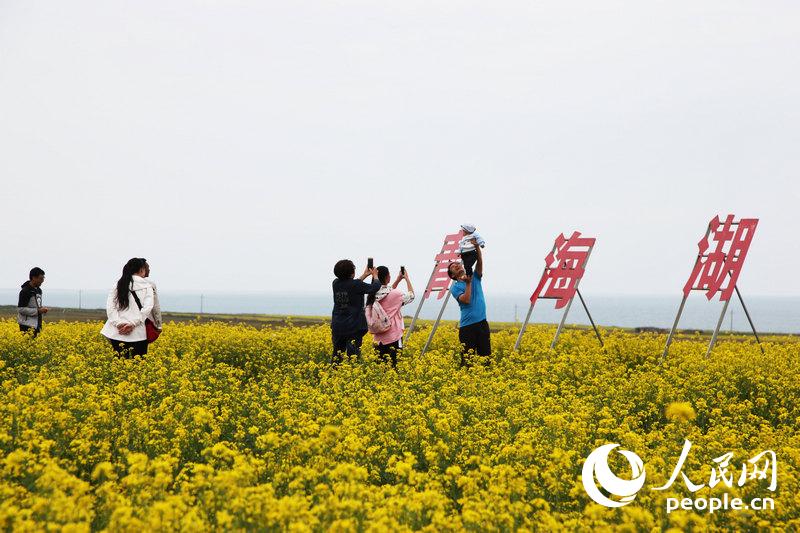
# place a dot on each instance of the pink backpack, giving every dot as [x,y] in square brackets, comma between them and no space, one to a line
[377,319]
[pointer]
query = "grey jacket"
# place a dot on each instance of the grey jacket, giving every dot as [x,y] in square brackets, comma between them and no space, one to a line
[30,300]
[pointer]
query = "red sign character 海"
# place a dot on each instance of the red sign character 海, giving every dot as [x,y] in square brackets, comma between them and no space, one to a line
[564,268]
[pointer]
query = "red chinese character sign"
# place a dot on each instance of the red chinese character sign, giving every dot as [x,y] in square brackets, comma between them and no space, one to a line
[720,258]
[564,268]
[724,263]
[439,282]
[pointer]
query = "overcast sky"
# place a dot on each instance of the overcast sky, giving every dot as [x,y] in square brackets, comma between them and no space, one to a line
[249,145]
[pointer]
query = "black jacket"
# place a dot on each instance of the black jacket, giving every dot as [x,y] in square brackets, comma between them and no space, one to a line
[348,306]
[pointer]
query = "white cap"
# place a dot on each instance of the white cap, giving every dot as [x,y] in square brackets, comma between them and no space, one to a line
[468,228]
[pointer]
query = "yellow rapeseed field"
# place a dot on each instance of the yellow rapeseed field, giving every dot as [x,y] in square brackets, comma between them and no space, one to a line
[226,427]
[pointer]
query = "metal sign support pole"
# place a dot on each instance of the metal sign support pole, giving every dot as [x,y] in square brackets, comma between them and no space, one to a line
[599,338]
[522,329]
[683,303]
[747,314]
[564,316]
[674,328]
[436,324]
[527,318]
[716,330]
[419,307]
[414,320]
[561,324]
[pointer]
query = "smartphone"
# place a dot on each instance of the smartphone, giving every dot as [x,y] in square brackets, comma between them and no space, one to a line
[369,263]
[402,270]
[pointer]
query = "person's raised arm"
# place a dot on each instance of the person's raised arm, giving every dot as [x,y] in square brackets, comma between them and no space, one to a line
[479,264]
[408,297]
[466,297]
[370,288]
[367,273]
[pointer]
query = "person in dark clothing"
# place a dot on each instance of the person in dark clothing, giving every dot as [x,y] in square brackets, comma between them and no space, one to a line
[29,307]
[348,322]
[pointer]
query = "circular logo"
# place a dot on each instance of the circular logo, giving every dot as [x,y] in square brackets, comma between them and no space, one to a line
[596,472]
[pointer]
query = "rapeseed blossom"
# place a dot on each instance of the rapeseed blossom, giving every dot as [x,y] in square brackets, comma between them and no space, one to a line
[226,427]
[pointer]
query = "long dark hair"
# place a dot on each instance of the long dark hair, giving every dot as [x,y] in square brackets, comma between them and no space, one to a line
[383,274]
[124,284]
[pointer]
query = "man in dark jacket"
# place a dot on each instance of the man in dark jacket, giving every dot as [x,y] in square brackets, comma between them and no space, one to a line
[29,307]
[348,322]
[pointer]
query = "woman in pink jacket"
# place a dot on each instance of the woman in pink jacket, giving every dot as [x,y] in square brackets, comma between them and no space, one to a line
[391,300]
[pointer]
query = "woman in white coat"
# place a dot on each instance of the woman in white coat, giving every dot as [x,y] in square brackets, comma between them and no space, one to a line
[129,304]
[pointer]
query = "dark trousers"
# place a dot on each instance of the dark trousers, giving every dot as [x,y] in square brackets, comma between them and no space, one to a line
[469,259]
[129,349]
[388,351]
[475,338]
[28,329]
[349,344]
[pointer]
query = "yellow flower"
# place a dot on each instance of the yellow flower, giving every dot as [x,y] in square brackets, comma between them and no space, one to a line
[680,411]
[230,427]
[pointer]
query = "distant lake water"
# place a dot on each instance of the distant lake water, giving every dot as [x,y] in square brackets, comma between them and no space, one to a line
[770,314]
